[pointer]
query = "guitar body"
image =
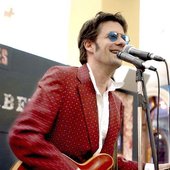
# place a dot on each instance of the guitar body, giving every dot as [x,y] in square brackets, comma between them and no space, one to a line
[101,161]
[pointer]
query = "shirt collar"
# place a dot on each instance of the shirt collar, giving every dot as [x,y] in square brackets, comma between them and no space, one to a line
[112,85]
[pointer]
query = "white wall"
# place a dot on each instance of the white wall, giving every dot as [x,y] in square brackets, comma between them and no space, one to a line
[36,26]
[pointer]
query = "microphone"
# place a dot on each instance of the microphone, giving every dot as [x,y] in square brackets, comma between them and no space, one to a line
[135,61]
[142,54]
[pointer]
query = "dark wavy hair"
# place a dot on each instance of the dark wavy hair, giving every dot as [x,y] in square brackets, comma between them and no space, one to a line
[90,30]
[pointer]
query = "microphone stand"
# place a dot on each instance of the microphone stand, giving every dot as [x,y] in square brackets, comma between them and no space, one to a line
[144,104]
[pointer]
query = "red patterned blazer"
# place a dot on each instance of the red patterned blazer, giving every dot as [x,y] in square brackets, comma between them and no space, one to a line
[61,117]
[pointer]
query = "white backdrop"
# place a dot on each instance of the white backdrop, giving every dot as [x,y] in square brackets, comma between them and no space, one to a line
[36,26]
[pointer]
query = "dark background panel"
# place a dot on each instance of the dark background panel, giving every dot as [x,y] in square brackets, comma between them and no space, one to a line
[17,79]
[7,158]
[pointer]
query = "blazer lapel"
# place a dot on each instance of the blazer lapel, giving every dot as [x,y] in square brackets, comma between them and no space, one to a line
[88,98]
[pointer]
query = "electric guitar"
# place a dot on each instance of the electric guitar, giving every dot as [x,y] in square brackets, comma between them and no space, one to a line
[101,161]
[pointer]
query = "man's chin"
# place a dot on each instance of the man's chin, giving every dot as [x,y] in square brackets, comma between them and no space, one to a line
[117,63]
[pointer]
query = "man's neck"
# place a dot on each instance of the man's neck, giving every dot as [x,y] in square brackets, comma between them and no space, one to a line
[102,77]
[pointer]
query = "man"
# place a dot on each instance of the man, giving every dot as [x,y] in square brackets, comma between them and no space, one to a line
[74,112]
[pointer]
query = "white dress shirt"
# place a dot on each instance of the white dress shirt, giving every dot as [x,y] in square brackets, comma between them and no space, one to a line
[103,107]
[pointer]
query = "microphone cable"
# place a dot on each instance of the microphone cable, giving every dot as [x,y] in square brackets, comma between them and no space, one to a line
[167,71]
[158,106]
[157,115]
[168,81]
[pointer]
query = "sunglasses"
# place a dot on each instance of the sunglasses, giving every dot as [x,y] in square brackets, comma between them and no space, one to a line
[113,36]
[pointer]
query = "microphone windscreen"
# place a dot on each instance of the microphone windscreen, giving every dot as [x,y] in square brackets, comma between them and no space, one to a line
[127,48]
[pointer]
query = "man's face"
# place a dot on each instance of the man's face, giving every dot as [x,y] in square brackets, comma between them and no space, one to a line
[105,48]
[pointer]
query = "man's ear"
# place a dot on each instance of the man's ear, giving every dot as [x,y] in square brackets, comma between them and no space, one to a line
[89,45]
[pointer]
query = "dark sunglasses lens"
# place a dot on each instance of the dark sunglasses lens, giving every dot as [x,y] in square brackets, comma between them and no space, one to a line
[113,36]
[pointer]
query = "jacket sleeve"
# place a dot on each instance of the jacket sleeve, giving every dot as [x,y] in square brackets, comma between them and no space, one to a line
[124,164]
[27,136]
